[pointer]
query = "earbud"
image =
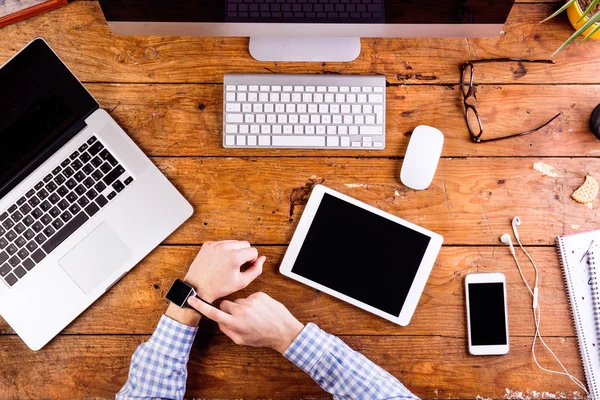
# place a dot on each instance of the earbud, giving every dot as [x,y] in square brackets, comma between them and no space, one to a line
[506,240]
[516,222]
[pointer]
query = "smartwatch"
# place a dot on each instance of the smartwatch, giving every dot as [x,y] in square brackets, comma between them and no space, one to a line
[180,292]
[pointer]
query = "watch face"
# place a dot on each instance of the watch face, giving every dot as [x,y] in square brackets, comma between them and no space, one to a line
[179,292]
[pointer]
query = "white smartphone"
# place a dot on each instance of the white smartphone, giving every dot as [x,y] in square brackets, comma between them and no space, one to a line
[487,314]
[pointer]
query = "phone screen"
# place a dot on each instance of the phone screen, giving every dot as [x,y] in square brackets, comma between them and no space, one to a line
[487,314]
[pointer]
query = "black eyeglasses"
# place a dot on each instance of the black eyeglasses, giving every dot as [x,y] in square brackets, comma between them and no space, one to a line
[468,91]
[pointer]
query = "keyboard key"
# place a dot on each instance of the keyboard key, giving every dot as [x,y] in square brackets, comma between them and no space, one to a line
[96,148]
[77,165]
[100,186]
[61,235]
[91,194]
[83,201]
[54,211]
[59,179]
[3,257]
[39,185]
[45,206]
[299,141]
[41,238]
[62,191]
[47,178]
[63,204]
[19,271]
[68,172]
[71,197]
[88,169]
[8,224]
[74,155]
[38,255]
[83,147]
[371,130]
[105,168]
[5,269]
[28,264]
[31,246]
[97,175]
[128,180]
[79,176]
[101,201]
[46,219]
[3,216]
[56,170]
[42,194]
[96,161]
[34,201]
[54,198]
[112,195]
[28,220]
[49,231]
[14,261]
[66,216]
[106,156]
[21,201]
[113,175]
[91,140]
[71,183]
[65,163]
[30,193]
[12,208]
[88,182]
[51,187]
[10,235]
[74,209]
[80,190]
[20,242]
[37,227]
[36,213]
[57,223]
[28,234]
[25,208]
[92,209]
[85,157]
[118,186]
[10,279]
[17,216]
[3,243]
[19,228]
[23,254]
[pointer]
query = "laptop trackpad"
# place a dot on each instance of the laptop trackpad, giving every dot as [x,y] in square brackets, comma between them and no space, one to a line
[95,258]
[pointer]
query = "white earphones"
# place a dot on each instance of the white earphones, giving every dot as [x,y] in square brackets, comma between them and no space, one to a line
[537,313]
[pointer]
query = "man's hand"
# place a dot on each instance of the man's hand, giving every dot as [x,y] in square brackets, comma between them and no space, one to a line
[222,268]
[257,321]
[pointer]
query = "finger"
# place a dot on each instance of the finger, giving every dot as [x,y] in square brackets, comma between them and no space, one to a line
[246,255]
[230,334]
[227,306]
[211,312]
[254,270]
[237,244]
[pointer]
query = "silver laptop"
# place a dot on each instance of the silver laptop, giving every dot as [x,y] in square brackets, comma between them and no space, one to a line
[80,204]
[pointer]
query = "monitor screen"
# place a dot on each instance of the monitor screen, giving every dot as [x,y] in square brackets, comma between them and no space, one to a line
[361,255]
[41,99]
[310,12]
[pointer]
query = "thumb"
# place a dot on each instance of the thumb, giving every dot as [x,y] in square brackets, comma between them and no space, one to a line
[254,270]
[211,312]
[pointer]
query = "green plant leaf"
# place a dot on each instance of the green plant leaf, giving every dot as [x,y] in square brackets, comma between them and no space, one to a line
[563,8]
[577,33]
[589,9]
[596,29]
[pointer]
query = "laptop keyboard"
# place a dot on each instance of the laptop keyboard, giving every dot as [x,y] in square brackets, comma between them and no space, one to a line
[57,206]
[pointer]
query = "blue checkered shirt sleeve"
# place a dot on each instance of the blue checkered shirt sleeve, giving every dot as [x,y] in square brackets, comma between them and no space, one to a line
[341,371]
[159,366]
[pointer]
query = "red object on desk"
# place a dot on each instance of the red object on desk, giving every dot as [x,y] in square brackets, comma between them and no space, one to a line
[31,12]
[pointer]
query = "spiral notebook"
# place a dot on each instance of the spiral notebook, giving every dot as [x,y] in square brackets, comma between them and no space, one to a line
[582,286]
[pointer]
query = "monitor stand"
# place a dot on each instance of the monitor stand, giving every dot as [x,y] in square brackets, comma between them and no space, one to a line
[318,49]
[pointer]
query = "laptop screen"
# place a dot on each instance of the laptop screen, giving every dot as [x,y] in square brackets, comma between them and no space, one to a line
[40,102]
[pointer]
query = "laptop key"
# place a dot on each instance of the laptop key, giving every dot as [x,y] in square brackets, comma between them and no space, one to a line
[21,201]
[97,175]
[34,201]
[61,235]
[38,255]
[74,209]
[49,231]
[14,261]
[56,170]
[11,249]
[101,201]
[45,206]
[63,204]
[62,191]
[74,155]
[54,211]
[83,147]
[54,198]
[37,227]
[5,269]
[41,238]
[12,208]
[30,193]
[10,279]
[128,180]
[10,235]
[51,187]
[88,169]
[2,230]
[59,179]
[77,165]
[46,219]
[79,176]
[105,168]
[25,208]
[80,190]
[23,254]
[68,172]
[100,187]
[8,224]
[31,246]
[19,228]
[118,186]
[20,242]
[95,148]
[89,182]
[92,209]
[112,195]
[39,185]
[28,264]
[91,140]
[71,183]
[105,155]
[28,234]
[65,163]
[42,194]
[3,243]
[57,223]
[66,216]
[91,194]
[85,157]
[3,216]
[19,271]
[71,197]
[3,257]
[36,213]
[47,178]
[83,201]
[113,175]
[96,161]
[17,216]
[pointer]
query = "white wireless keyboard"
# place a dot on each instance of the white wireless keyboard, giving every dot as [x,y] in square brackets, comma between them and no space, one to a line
[304,111]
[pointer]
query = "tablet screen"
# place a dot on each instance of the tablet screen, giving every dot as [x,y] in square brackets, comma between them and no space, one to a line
[361,255]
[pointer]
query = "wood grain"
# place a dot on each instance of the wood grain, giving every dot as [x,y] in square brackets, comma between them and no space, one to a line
[432,367]
[81,37]
[441,310]
[186,120]
[471,200]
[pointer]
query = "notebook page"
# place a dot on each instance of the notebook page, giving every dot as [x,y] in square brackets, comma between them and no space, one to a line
[579,281]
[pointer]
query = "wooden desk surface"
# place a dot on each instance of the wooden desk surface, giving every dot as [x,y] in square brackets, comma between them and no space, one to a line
[167,93]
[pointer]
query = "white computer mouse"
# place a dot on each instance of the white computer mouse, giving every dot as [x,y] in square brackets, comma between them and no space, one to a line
[422,157]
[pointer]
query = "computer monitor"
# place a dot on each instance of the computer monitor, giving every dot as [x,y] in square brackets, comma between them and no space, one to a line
[307,30]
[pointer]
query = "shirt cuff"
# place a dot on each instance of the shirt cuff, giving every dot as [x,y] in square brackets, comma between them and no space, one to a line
[308,348]
[173,336]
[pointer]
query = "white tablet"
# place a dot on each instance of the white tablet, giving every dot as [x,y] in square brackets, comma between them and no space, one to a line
[362,255]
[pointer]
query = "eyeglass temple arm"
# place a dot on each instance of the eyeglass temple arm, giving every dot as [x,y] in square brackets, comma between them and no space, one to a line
[522,133]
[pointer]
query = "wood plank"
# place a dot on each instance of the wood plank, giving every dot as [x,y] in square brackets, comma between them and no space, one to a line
[186,120]
[432,367]
[81,37]
[440,312]
[471,201]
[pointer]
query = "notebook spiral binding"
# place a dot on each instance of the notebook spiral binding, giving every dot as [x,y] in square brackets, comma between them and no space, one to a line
[577,323]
